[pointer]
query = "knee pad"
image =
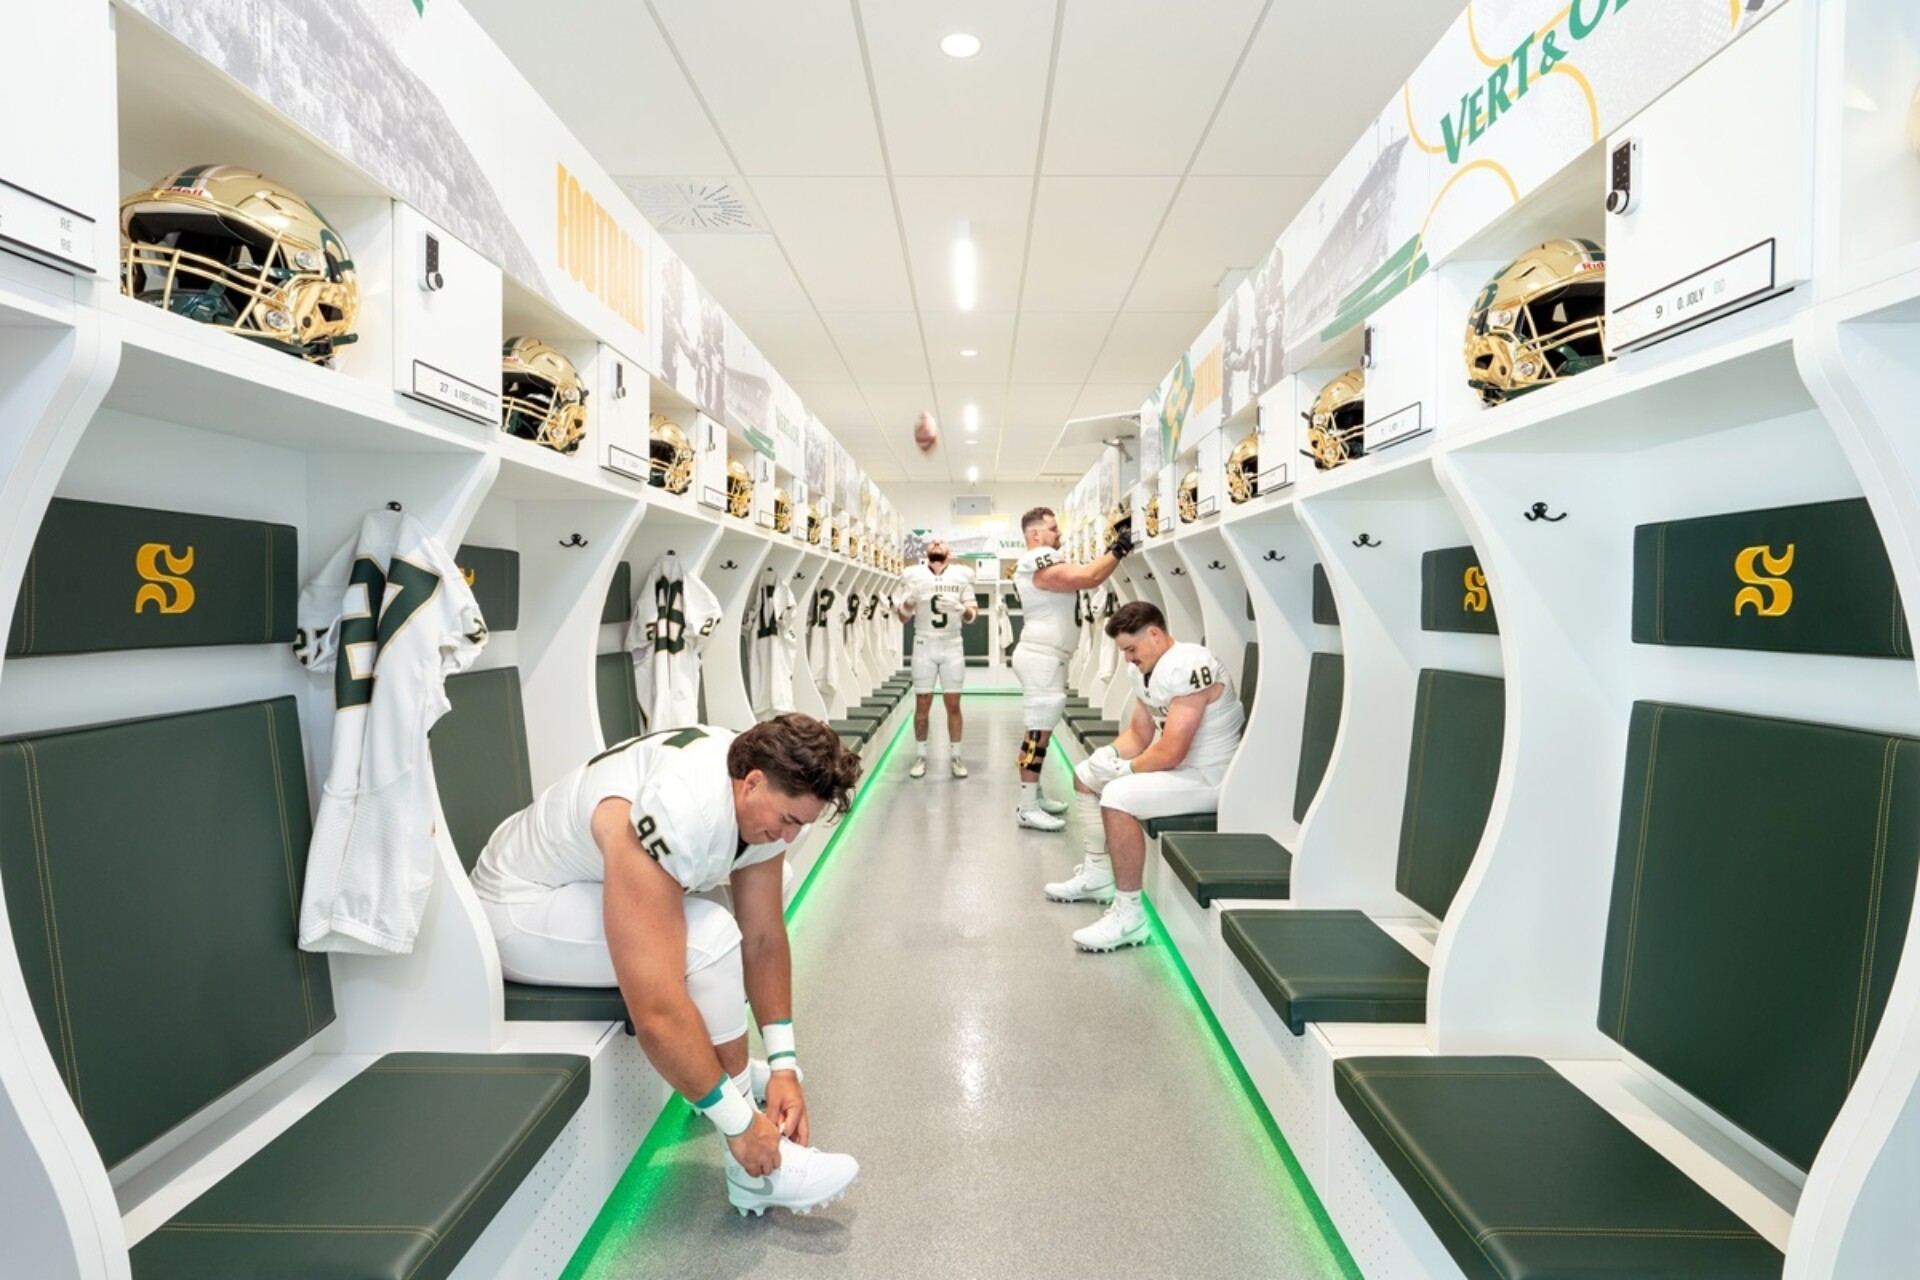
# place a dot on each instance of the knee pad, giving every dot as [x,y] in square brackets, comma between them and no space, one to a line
[1042,708]
[1033,749]
[716,980]
[1086,777]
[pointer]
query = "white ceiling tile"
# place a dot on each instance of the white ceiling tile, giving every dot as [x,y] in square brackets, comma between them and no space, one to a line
[995,211]
[1059,346]
[1089,235]
[978,115]
[1146,344]
[601,87]
[895,406]
[743,272]
[1138,79]
[1035,410]
[878,345]
[783,78]
[988,334]
[837,403]
[1336,65]
[1112,397]
[795,343]
[842,237]
[1217,224]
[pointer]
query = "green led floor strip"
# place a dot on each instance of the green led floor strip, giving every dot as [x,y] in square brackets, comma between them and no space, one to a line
[678,1123]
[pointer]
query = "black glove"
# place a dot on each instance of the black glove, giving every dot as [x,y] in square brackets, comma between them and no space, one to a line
[1122,545]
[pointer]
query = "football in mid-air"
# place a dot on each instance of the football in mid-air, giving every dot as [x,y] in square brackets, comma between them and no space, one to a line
[926,432]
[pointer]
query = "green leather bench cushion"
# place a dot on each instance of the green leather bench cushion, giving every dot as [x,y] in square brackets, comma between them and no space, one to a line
[1249,677]
[1319,726]
[1801,579]
[1327,966]
[392,1177]
[153,872]
[859,730]
[617,697]
[528,1003]
[1458,724]
[873,715]
[1094,737]
[1762,886]
[1228,865]
[1325,612]
[1077,715]
[619,602]
[1157,827]
[104,577]
[480,757]
[1522,1176]
[494,575]
[1453,593]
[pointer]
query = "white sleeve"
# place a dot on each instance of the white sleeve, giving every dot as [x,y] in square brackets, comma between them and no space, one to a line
[316,641]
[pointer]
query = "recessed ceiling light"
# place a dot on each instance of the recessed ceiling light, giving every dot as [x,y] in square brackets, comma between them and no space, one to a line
[965,268]
[973,475]
[971,415]
[968,353]
[960,45]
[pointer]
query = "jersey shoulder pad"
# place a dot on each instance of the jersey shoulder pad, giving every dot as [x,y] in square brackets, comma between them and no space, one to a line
[1037,558]
[1190,668]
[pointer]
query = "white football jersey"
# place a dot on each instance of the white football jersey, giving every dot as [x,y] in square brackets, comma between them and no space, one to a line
[672,619]
[1051,620]
[824,640]
[682,797]
[1187,669]
[940,600]
[390,617]
[772,647]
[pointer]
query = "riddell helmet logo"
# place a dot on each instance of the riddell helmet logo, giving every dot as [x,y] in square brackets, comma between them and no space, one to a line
[1769,596]
[147,562]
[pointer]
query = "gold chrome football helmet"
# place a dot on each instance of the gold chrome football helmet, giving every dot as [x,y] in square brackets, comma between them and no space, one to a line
[836,532]
[1153,516]
[541,396]
[782,512]
[1187,496]
[1541,319]
[1243,468]
[669,455]
[739,490]
[1334,425]
[240,252]
[1110,530]
[813,524]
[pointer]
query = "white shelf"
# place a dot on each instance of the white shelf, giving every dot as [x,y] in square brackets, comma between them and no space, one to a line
[533,472]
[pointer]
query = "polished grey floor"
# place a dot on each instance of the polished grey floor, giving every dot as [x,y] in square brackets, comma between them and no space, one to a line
[1019,1109]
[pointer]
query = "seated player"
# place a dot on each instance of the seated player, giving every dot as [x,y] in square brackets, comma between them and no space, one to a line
[595,884]
[939,601]
[1184,729]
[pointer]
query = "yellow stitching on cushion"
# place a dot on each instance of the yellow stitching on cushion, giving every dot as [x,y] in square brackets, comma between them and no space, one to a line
[560,1072]
[296,1228]
[46,921]
[63,1012]
[1889,759]
[1650,1233]
[286,855]
[1454,1075]
[1639,869]
[1408,1157]
[482,1189]
[1660,585]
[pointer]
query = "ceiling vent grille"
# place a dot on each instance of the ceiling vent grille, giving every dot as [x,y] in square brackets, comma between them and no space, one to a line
[693,204]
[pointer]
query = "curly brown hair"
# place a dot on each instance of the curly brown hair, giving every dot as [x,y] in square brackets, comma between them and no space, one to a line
[801,757]
[1134,617]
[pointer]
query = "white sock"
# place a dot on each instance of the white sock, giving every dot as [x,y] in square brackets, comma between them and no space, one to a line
[1099,867]
[953,748]
[1093,832]
[1128,904]
[920,748]
[1029,795]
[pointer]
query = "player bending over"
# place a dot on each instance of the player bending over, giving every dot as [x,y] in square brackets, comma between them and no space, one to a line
[939,601]
[1182,734]
[595,884]
[1048,586]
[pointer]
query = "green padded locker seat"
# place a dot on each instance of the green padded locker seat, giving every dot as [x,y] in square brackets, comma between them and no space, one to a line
[1095,737]
[1523,1175]
[393,1177]
[872,715]
[1752,937]
[618,700]
[1339,966]
[480,764]
[1228,865]
[858,730]
[1319,726]
[1327,966]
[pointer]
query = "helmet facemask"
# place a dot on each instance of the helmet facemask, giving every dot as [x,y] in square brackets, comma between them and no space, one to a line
[1542,319]
[541,398]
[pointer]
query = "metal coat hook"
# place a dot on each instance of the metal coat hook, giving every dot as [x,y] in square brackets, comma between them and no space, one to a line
[575,541]
[1273,557]
[1147,577]
[1366,540]
[1178,572]
[1539,512]
[394,506]
[729,566]
[1215,565]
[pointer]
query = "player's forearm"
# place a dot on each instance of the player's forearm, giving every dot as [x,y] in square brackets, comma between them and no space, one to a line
[674,1038]
[768,964]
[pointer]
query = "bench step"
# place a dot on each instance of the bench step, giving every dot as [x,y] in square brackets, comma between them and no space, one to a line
[1327,966]
[1228,865]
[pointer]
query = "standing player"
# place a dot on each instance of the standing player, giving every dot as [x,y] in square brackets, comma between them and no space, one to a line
[939,601]
[1184,730]
[1049,587]
[596,883]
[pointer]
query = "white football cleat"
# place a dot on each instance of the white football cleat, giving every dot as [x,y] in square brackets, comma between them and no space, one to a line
[1112,931]
[1055,807]
[807,1179]
[1085,886]
[959,767]
[919,769]
[1039,820]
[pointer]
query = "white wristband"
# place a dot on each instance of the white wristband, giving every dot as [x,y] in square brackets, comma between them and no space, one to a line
[731,1114]
[777,1038]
